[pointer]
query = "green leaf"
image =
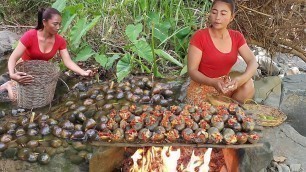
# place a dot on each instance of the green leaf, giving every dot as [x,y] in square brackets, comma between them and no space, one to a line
[184,70]
[183,32]
[101,59]
[157,74]
[92,23]
[173,34]
[133,31]
[161,32]
[76,32]
[80,29]
[153,18]
[75,9]
[59,5]
[84,54]
[124,67]
[168,57]
[111,60]
[160,28]
[143,67]
[143,50]
[67,19]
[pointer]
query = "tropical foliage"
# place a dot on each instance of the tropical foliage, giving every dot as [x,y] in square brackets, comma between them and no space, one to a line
[131,36]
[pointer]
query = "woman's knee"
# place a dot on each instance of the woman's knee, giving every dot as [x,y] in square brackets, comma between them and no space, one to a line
[246,91]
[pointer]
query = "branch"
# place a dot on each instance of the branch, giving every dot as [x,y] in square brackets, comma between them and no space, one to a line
[17,26]
[255,11]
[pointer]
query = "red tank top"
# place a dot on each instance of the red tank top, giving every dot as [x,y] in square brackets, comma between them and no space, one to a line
[32,52]
[215,63]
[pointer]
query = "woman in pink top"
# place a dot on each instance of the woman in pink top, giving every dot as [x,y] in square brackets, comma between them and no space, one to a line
[41,43]
[212,53]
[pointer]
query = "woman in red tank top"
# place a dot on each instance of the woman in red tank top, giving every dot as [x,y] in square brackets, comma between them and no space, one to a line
[212,53]
[41,43]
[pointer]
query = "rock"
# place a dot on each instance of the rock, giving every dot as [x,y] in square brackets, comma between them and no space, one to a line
[293,101]
[285,168]
[286,141]
[272,169]
[7,40]
[292,71]
[4,77]
[240,66]
[255,159]
[183,92]
[295,167]
[267,66]
[279,168]
[265,86]
[279,158]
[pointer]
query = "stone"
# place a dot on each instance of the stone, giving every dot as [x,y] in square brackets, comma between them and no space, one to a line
[279,158]
[183,92]
[240,66]
[285,168]
[7,40]
[4,78]
[272,169]
[101,161]
[267,65]
[265,86]
[293,101]
[287,142]
[292,71]
[295,167]
[279,168]
[255,159]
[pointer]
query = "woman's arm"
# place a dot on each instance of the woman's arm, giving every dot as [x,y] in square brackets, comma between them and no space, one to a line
[71,65]
[193,62]
[20,77]
[249,58]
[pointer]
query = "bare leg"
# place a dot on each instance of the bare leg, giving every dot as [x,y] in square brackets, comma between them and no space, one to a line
[8,86]
[244,92]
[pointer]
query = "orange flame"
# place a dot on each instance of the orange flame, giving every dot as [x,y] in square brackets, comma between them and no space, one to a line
[164,159]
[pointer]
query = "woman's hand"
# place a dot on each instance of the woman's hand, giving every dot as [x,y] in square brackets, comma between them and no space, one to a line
[22,78]
[220,86]
[232,85]
[87,73]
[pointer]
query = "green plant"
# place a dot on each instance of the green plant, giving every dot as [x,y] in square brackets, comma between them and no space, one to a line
[81,27]
[145,35]
[144,54]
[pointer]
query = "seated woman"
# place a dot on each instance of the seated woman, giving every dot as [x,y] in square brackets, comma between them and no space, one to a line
[41,43]
[212,53]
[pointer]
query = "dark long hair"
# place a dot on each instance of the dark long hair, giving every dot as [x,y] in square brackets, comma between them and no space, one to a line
[45,14]
[231,4]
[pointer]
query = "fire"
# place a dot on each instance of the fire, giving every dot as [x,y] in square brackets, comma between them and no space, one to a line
[166,159]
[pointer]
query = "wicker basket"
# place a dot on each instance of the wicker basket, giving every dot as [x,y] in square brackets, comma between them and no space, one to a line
[264,115]
[41,91]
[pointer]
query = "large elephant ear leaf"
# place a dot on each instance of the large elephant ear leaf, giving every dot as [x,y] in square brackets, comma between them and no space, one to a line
[59,5]
[168,57]
[84,54]
[124,67]
[76,32]
[133,31]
